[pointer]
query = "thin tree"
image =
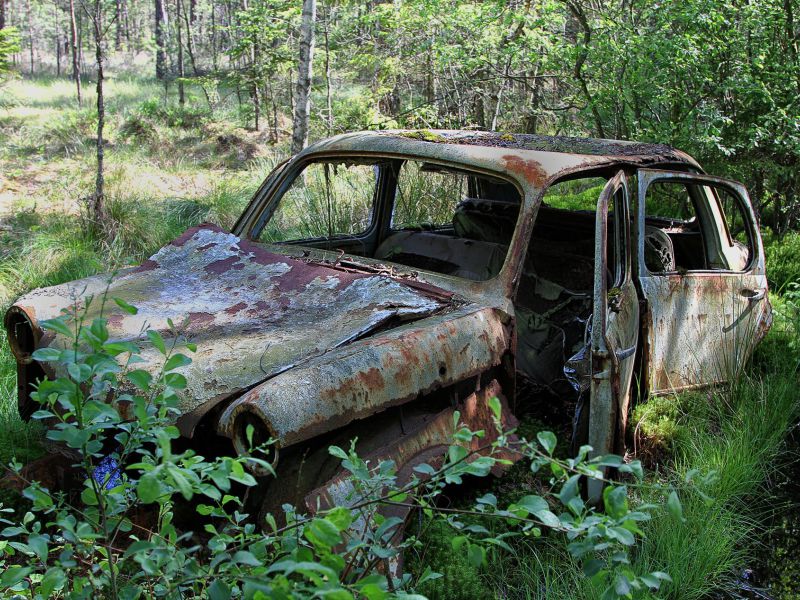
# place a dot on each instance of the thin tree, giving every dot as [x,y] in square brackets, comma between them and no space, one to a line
[181,94]
[302,104]
[76,63]
[328,94]
[119,21]
[30,32]
[2,14]
[96,202]
[161,34]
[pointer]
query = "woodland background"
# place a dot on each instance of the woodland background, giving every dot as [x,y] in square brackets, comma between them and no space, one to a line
[124,122]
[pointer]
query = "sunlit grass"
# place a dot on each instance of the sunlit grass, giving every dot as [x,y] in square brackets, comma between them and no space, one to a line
[154,191]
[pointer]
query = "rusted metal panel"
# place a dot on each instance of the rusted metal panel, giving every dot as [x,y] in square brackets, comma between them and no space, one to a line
[536,158]
[371,375]
[427,443]
[252,313]
[702,330]
[701,326]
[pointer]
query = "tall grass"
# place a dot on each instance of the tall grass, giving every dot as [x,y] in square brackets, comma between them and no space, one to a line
[192,172]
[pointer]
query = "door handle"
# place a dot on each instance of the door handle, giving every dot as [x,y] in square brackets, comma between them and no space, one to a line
[754,295]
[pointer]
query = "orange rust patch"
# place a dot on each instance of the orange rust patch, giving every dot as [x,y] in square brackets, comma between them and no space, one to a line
[531,169]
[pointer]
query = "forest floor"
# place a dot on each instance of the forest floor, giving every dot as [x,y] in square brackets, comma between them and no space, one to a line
[169,168]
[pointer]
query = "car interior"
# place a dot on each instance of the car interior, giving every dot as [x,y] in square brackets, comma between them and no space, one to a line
[465,231]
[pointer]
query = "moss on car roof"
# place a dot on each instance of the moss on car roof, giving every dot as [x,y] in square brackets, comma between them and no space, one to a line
[542,143]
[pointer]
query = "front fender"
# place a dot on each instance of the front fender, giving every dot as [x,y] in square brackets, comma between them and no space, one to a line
[368,376]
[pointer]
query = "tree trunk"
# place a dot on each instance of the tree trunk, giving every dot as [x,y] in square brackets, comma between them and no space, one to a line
[57,29]
[126,24]
[30,32]
[328,98]
[302,105]
[181,94]
[161,34]
[118,24]
[2,14]
[189,39]
[98,211]
[76,64]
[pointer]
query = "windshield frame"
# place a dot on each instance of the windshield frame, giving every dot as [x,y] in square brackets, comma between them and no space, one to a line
[267,200]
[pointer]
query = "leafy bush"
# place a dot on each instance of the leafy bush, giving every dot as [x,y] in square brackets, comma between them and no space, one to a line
[139,128]
[188,117]
[783,259]
[9,45]
[124,451]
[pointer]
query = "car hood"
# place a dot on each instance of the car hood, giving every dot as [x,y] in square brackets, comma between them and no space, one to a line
[252,313]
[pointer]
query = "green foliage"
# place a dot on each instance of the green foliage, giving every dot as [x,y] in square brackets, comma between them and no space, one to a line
[125,451]
[783,259]
[9,44]
[187,117]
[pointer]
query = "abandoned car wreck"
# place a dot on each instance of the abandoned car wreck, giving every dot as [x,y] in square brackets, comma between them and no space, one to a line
[379,281]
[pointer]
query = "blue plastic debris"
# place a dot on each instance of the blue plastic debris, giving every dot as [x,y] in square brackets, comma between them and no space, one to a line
[108,471]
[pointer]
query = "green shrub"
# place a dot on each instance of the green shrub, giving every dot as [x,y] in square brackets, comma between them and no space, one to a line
[783,259]
[188,117]
[68,544]
[139,128]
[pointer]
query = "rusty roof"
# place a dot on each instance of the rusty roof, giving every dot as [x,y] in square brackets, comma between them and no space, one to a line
[537,157]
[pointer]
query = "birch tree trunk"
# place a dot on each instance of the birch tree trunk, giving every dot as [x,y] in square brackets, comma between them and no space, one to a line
[302,105]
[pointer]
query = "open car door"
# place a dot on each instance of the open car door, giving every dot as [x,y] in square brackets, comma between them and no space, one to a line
[700,266]
[615,323]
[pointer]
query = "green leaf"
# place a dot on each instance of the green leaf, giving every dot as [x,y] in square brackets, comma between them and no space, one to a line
[548,519]
[674,506]
[476,555]
[341,517]
[615,501]
[219,591]
[494,404]
[428,575]
[622,535]
[176,361]
[175,381]
[533,504]
[322,533]
[131,310]
[242,557]
[47,354]
[141,379]
[58,325]
[458,542]
[548,441]
[337,452]
[38,545]
[157,341]
[54,579]
[569,490]
[148,488]
[12,575]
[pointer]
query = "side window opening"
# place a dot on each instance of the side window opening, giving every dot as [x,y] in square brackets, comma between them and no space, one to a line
[737,244]
[326,201]
[691,227]
[450,221]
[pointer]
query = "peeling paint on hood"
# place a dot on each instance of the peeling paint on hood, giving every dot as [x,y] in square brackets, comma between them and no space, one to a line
[251,312]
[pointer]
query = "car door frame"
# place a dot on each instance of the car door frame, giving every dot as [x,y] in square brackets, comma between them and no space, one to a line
[615,327]
[683,311]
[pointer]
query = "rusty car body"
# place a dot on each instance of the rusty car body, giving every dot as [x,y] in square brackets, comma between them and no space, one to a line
[543,277]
